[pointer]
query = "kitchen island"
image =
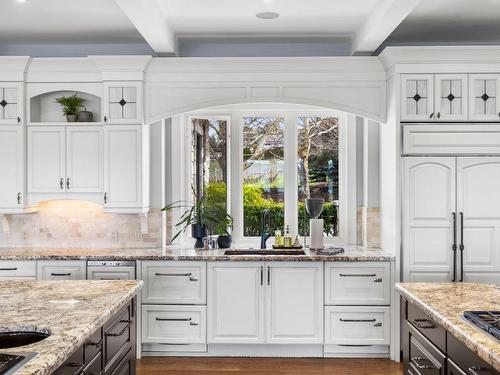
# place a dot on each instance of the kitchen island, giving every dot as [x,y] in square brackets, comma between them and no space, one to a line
[436,335]
[73,313]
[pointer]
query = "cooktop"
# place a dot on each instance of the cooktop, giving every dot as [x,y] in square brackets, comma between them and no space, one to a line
[488,321]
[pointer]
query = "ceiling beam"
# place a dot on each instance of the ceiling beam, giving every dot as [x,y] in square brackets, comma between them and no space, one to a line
[380,24]
[151,23]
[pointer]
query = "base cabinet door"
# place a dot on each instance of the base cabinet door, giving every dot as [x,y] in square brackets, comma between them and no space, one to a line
[235,302]
[294,302]
[11,167]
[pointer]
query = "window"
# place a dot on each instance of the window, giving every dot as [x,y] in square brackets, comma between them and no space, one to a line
[317,169]
[277,160]
[263,172]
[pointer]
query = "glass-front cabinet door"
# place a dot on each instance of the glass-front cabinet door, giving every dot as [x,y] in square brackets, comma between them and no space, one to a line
[484,92]
[417,97]
[11,102]
[123,102]
[450,99]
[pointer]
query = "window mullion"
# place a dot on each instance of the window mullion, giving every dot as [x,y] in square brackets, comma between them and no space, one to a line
[290,172]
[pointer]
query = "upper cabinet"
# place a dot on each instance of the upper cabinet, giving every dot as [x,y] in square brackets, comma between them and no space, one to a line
[484,91]
[123,102]
[434,97]
[11,168]
[11,102]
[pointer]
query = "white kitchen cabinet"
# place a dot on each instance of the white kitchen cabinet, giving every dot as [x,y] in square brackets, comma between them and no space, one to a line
[84,160]
[14,270]
[357,325]
[11,102]
[478,219]
[174,282]
[123,162]
[46,159]
[417,97]
[484,97]
[235,302]
[434,97]
[451,97]
[167,324]
[11,168]
[65,159]
[429,214]
[363,283]
[265,302]
[123,102]
[61,270]
[294,302]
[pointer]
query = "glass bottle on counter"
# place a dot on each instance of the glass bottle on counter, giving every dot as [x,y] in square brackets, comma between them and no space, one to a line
[278,238]
[287,239]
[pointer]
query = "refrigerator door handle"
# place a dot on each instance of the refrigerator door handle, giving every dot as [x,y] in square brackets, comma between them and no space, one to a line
[462,247]
[454,247]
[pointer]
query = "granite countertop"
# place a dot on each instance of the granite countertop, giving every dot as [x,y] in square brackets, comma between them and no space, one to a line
[446,303]
[351,253]
[70,310]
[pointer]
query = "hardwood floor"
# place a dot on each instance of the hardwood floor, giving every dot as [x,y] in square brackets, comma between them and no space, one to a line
[266,366]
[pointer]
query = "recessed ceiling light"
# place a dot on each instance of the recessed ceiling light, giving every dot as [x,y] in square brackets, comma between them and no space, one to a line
[267,15]
[22,1]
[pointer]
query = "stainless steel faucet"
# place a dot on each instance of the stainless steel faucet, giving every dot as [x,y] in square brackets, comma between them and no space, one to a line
[264,235]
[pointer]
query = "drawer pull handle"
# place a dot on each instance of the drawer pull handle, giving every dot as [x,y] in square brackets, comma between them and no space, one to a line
[9,269]
[421,366]
[129,322]
[358,275]
[75,364]
[60,274]
[190,275]
[190,320]
[424,323]
[110,278]
[377,280]
[358,320]
[98,345]
[474,370]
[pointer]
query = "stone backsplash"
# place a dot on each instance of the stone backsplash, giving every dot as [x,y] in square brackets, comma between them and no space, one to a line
[79,224]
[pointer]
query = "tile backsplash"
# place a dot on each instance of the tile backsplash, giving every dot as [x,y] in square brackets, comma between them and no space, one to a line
[79,224]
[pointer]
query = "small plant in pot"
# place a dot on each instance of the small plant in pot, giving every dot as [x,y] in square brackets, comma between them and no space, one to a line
[201,218]
[70,106]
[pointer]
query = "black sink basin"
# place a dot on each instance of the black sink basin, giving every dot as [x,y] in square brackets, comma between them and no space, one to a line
[264,252]
[13,339]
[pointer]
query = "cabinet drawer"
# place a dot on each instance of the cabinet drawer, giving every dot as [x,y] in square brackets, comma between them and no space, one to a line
[126,366]
[73,364]
[466,359]
[177,283]
[423,357]
[357,284]
[174,324]
[345,325]
[93,345]
[426,326]
[111,273]
[453,369]
[14,269]
[61,270]
[118,336]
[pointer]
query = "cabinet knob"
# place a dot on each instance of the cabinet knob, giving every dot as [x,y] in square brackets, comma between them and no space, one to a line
[439,115]
[105,197]
[67,183]
[18,119]
[61,183]
[18,198]
[105,119]
[432,115]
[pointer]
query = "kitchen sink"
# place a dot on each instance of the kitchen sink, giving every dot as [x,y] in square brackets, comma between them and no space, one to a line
[13,339]
[264,252]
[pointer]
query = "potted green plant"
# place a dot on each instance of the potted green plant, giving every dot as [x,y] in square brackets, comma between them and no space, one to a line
[201,217]
[70,106]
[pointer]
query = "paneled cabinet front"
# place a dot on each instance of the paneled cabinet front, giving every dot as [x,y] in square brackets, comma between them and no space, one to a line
[434,97]
[61,270]
[484,97]
[123,102]
[258,302]
[123,172]
[11,102]
[63,159]
[11,168]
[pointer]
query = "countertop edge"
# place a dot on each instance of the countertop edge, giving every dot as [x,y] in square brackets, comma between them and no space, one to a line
[485,354]
[82,338]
